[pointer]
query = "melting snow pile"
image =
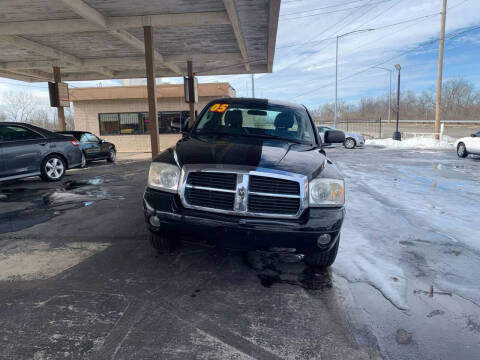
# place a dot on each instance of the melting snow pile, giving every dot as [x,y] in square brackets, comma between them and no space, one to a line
[414,143]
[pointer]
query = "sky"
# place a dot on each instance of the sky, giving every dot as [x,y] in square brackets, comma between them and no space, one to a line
[404,32]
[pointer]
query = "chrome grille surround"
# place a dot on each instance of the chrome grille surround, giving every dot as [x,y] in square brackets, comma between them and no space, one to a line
[242,188]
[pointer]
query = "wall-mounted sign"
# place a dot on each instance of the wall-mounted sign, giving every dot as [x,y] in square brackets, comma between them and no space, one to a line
[58,94]
[190,85]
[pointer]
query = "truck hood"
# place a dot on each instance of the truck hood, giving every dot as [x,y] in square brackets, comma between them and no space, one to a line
[249,151]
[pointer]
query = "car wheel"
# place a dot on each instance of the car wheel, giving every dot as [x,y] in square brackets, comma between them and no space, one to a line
[112,156]
[52,168]
[84,160]
[324,258]
[163,243]
[349,143]
[462,150]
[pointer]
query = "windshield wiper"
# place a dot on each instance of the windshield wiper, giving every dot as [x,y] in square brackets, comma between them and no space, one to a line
[274,137]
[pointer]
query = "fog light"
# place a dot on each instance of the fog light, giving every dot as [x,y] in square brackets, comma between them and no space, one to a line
[154,221]
[323,239]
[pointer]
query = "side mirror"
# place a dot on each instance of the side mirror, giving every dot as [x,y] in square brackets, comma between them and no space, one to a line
[334,136]
[182,126]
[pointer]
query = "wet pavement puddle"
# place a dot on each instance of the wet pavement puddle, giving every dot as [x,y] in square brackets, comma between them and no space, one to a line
[27,207]
[286,267]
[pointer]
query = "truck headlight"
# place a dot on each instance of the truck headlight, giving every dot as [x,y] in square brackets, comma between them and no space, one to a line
[164,177]
[326,192]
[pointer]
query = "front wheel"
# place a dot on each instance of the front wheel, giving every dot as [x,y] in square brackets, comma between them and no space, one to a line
[462,150]
[349,143]
[323,259]
[112,156]
[163,243]
[52,168]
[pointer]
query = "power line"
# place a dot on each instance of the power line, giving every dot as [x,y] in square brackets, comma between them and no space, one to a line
[376,28]
[448,37]
[322,8]
[335,11]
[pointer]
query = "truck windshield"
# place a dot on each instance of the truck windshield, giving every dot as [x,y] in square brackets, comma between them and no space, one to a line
[267,121]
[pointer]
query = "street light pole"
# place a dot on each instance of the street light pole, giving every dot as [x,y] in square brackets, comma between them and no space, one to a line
[336,85]
[336,71]
[253,86]
[396,134]
[390,91]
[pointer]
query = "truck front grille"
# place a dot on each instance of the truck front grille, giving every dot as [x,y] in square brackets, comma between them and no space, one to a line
[273,205]
[273,185]
[210,199]
[248,193]
[213,180]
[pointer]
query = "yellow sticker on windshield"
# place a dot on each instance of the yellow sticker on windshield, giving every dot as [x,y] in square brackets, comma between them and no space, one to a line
[220,108]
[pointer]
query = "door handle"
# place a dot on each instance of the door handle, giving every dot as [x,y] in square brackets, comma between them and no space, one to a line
[43,143]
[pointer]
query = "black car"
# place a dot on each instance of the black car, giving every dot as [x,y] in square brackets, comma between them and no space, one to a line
[250,174]
[27,150]
[93,147]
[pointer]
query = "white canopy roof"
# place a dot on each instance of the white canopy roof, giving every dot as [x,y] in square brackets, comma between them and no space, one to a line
[103,39]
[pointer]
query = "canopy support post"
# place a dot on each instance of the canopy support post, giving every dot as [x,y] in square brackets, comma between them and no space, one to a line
[151,89]
[60,113]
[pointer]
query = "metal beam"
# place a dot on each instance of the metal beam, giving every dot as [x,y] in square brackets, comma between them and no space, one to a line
[37,27]
[33,75]
[46,27]
[273,14]
[47,51]
[233,16]
[90,14]
[15,76]
[127,74]
[121,61]
[169,20]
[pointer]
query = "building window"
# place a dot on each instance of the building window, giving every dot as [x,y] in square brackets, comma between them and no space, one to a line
[130,124]
[139,123]
[109,124]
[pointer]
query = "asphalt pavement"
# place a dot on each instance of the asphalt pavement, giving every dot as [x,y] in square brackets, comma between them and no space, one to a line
[78,278]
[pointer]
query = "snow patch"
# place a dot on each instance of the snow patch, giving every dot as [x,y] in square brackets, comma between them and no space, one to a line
[413,143]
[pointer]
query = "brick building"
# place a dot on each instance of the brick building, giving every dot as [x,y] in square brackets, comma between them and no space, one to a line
[119,114]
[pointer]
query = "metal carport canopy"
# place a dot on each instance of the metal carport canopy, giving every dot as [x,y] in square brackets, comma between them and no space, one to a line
[104,39]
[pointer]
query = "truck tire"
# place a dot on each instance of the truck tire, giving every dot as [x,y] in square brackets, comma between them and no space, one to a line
[324,258]
[162,243]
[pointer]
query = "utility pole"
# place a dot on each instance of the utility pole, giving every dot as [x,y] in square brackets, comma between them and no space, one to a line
[396,134]
[253,86]
[440,71]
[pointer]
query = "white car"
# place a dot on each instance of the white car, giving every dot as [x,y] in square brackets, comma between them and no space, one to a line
[468,145]
[351,139]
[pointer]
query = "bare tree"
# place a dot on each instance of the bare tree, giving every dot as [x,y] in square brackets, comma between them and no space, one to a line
[460,101]
[19,106]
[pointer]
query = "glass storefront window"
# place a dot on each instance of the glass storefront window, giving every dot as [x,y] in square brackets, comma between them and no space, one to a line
[139,122]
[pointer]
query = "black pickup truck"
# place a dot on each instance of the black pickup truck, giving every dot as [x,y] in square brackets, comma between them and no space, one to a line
[249,174]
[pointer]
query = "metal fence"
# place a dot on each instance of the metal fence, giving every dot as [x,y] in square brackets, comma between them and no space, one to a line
[370,129]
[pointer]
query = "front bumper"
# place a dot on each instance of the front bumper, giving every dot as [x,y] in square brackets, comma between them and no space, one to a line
[243,233]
